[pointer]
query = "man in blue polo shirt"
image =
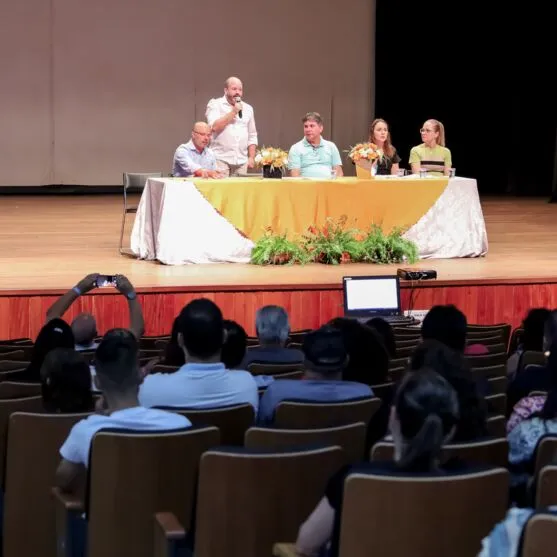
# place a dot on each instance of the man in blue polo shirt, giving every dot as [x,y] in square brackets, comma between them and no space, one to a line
[195,158]
[325,359]
[313,156]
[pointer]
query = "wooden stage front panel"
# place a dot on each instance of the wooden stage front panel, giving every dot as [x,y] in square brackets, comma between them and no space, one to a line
[47,243]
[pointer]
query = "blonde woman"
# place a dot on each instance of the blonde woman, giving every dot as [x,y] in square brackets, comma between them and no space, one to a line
[431,155]
[379,134]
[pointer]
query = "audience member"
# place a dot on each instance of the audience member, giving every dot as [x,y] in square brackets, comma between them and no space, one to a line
[54,334]
[325,360]
[450,364]
[84,325]
[66,382]
[431,155]
[531,339]
[423,417]
[235,344]
[118,378]
[448,325]
[203,381]
[368,358]
[313,156]
[234,131]
[380,135]
[195,158]
[272,328]
[386,333]
[173,353]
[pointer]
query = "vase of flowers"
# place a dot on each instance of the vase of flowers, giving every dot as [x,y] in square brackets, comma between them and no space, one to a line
[273,161]
[365,156]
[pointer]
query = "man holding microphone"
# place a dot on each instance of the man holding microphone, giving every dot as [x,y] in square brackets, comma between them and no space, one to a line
[234,132]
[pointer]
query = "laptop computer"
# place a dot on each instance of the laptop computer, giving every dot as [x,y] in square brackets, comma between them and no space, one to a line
[366,297]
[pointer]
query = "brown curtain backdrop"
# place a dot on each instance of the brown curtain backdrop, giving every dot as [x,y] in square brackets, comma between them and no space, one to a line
[93,89]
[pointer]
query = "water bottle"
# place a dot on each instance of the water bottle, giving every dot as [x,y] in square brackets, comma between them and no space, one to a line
[333,173]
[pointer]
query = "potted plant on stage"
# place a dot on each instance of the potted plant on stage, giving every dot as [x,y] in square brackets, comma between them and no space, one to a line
[277,249]
[365,157]
[273,161]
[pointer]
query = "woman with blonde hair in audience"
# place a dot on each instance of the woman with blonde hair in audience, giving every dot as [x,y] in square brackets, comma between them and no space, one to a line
[423,418]
[432,155]
[380,135]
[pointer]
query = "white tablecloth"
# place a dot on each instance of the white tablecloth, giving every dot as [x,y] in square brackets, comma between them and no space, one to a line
[176,225]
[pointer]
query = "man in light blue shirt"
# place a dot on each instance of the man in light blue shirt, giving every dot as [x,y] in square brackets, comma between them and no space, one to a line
[313,156]
[194,158]
[204,381]
[325,359]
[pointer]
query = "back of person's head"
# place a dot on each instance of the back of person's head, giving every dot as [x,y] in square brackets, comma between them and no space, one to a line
[550,330]
[173,354]
[66,382]
[453,367]
[368,358]
[117,363]
[386,333]
[54,334]
[325,353]
[84,328]
[271,325]
[423,418]
[534,325]
[549,410]
[235,344]
[201,329]
[447,324]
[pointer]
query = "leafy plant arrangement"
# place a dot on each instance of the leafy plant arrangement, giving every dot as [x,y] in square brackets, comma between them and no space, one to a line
[334,244]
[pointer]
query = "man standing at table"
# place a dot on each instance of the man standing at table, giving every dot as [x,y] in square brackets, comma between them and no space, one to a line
[313,156]
[194,158]
[234,131]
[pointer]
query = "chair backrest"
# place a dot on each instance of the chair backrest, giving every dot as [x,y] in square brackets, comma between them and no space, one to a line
[15,355]
[351,438]
[24,341]
[133,475]
[503,329]
[497,426]
[273,369]
[307,415]
[487,361]
[7,408]
[135,181]
[539,535]
[14,389]
[268,495]
[32,456]
[532,358]
[488,372]
[384,515]
[12,365]
[546,489]
[546,450]
[497,404]
[489,452]
[498,385]
[233,421]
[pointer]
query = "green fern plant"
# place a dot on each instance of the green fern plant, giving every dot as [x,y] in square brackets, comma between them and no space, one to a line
[277,249]
[378,247]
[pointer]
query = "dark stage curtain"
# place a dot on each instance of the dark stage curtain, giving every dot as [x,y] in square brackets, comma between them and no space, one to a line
[487,73]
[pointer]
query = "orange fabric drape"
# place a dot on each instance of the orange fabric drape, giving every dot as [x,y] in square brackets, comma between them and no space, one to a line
[292,205]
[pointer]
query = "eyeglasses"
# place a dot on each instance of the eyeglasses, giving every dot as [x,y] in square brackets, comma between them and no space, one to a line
[425,130]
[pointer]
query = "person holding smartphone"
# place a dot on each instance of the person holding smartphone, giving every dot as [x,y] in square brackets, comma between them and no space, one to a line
[84,326]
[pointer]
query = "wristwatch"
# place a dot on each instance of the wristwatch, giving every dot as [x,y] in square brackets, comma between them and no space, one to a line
[131,296]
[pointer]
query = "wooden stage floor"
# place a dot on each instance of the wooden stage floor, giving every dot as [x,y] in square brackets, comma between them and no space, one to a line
[47,243]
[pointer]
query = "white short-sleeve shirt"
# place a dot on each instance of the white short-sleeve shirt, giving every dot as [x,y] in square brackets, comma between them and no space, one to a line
[78,444]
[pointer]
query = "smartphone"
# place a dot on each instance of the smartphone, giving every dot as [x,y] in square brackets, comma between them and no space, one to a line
[106,280]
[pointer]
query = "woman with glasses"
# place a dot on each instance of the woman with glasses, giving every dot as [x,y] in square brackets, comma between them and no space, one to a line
[431,155]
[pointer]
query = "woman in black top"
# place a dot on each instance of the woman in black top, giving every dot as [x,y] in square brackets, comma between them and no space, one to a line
[379,134]
[423,418]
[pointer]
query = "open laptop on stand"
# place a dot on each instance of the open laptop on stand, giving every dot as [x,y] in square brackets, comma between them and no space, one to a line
[366,297]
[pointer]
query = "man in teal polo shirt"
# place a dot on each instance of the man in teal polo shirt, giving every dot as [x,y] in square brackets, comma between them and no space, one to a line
[314,157]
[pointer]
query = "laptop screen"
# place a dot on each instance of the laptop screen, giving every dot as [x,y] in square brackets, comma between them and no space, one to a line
[371,295]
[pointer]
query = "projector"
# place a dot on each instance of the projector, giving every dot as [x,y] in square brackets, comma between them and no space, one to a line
[416,274]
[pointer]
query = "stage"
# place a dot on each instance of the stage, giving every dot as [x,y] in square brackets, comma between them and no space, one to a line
[49,242]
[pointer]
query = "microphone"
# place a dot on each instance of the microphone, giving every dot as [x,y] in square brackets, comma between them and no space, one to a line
[238,99]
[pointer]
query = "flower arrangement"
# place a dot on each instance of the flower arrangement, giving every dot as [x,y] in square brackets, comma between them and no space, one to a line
[334,243]
[273,157]
[365,152]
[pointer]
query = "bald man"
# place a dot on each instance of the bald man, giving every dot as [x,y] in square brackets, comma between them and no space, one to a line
[194,158]
[234,132]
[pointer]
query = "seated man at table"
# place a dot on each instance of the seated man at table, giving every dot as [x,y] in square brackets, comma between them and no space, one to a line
[194,158]
[313,156]
[325,359]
